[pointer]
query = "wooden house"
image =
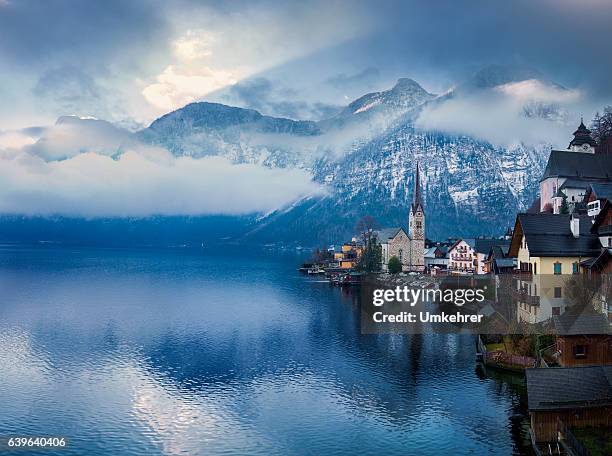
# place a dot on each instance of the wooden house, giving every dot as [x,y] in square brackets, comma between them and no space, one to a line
[583,338]
[574,396]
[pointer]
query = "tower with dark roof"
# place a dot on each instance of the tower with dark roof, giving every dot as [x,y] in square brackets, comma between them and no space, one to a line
[583,141]
[416,224]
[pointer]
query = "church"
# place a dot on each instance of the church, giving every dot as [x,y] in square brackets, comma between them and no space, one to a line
[570,173]
[409,247]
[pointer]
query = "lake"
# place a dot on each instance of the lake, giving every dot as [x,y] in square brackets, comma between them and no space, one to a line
[199,352]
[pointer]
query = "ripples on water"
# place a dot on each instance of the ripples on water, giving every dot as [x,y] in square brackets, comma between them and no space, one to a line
[162,352]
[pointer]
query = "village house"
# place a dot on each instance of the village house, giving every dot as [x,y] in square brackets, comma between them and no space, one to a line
[553,244]
[583,338]
[498,261]
[462,256]
[596,196]
[349,254]
[548,247]
[409,247]
[570,172]
[469,256]
[568,397]
[436,258]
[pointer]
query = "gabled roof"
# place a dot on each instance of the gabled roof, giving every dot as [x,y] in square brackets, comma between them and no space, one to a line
[600,262]
[579,166]
[569,387]
[387,234]
[485,245]
[550,235]
[601,217]
[577,322]
[469,241]
[601,190]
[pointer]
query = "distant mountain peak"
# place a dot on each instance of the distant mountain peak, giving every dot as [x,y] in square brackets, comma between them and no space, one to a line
[495,75]
[405,94]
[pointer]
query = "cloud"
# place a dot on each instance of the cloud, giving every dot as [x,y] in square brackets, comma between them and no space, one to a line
[529,112]
[72,135]
[365,78]
[179,85]
[143,183]
[91,168]
[275,99]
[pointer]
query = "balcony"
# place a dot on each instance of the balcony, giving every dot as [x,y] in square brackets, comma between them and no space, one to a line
[523,296]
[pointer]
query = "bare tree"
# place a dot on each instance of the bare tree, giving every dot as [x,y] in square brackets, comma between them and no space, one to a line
[601,125]
[365,227]
[582,290]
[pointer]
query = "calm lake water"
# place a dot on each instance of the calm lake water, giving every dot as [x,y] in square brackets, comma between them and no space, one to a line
[202,353]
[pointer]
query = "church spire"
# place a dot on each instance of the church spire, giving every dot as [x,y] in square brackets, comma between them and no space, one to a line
[416,193]
[582,138]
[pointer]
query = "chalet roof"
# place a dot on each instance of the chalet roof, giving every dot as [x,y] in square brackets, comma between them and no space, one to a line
[569,387]
[469,241]
[579,166]
[505,262]
[581,322]
[602,190]
[598,263]
[600,218]
[485,245]
[550,235]
[430,252]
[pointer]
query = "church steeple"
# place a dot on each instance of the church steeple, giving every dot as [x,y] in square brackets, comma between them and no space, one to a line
[416,193]
[583,141]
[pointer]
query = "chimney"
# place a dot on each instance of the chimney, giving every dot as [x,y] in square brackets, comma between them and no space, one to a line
[575,226]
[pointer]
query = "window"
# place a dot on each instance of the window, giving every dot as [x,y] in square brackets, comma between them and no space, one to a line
[580,351]
[401,255]
[535,268]
[575,268]
[557,292]
[610,241]
[557,268]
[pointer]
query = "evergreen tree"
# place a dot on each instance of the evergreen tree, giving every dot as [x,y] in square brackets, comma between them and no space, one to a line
[395,266]
[371,258]
[564,205]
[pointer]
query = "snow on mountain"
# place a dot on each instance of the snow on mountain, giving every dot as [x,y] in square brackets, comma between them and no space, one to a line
[366,156]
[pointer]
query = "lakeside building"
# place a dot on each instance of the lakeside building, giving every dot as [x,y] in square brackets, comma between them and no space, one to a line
[583,338]
[553,244]
[436,258]
[408,247]
[548,248]
[349,254]
[498,261]
[568,397]
[569,173]
[469,256]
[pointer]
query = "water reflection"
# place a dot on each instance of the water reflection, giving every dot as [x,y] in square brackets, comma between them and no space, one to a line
[208,353]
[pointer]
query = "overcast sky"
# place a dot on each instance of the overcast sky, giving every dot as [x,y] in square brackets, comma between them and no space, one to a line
[130,61]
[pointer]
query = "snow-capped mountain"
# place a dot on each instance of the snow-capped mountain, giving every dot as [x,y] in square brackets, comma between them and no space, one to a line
[470,186]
